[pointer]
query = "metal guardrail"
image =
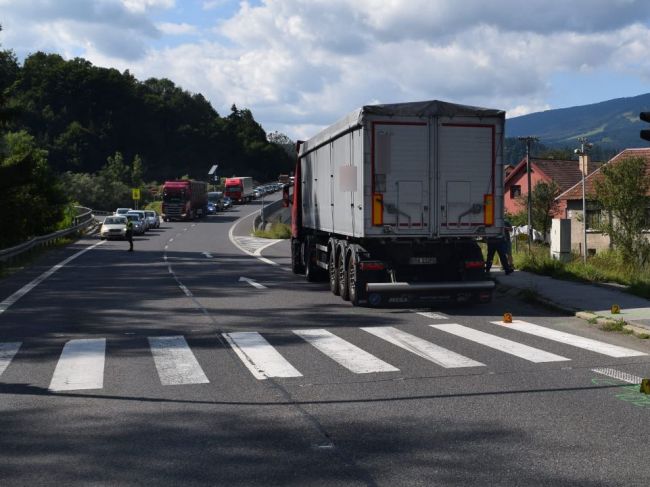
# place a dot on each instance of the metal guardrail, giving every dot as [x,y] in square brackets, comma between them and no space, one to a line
[267,212]
[84,219]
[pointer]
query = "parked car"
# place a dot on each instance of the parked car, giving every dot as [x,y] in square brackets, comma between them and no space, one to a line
[122,211]
[152,218]
[113,227]
[138,223]
[142,216]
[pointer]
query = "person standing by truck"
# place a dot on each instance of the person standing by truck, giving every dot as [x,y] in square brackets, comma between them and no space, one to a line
[129,234]
[502,246]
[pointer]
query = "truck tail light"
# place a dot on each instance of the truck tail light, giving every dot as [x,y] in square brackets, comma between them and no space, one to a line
[488,209]
[377,209]
[372,266]
[474,264]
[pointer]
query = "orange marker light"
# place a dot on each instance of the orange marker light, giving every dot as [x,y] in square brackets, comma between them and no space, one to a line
[507,317]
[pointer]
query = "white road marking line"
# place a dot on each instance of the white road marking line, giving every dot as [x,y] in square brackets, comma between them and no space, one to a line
[8,302]
[427,350]
[7,352]
[433,316]
[345,353]
[208,255]
[81,365]
[175,362]
[507,346]
[617,374]
[569,339]
[259,356]
[235,241]
[171,239]
[252,282]
[258,251]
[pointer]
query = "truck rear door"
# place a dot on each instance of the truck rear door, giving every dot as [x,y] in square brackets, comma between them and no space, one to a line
[466,168]
[401,186]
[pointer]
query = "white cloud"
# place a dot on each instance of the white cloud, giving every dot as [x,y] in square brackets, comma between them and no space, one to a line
[301,64]
[141,6]
[176,29]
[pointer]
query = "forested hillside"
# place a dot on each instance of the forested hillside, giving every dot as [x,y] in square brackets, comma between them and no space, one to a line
[82,115]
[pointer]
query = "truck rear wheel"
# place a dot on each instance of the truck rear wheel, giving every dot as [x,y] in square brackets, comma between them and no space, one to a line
[333,271]
[344,288]
[355,283]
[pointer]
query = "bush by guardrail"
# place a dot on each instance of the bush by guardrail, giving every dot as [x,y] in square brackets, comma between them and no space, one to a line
[83,220]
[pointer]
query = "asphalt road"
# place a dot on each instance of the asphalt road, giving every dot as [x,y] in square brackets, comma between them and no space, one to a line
[199,359]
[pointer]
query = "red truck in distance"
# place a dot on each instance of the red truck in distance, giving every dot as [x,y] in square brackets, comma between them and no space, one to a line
[239,189]
[184,200]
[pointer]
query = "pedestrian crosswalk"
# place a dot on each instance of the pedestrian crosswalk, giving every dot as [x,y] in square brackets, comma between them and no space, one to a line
[82,362]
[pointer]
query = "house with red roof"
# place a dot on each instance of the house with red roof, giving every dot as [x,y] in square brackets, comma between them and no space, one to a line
[571,202]
[565,173]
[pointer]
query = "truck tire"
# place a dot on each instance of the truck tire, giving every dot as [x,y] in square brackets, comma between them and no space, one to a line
[355,282]
[344,288]
[333,272]
[296,258]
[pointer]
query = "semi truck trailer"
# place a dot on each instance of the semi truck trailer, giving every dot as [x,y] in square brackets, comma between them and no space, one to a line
[239,189]
[390,202]
[184,200]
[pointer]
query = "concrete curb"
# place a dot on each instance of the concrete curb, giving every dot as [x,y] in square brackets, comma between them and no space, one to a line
[584,315]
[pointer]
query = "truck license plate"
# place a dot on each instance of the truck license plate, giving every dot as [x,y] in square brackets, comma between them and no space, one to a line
[423,260]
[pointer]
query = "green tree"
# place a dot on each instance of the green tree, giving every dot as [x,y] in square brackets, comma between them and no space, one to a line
[543,205]
[137,172]
[33,204]
[623,194]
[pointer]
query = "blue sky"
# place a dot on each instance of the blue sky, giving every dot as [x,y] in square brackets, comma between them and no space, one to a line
[302,64]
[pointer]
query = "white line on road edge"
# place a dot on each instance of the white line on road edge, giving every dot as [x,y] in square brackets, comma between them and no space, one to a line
[231,237]
[617,374]
[175,362]
[4,305]
[187,292]
[208,255]
[7,352]
[81,365]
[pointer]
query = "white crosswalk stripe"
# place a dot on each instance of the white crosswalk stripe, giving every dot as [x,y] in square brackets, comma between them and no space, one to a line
[7,352]
[507,346]
[81,365]
[569,339]
[345,353]
[422,348]
[175,362]
[259,356]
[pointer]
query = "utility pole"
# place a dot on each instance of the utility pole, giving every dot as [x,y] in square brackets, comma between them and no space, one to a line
[529,140]
[583,161]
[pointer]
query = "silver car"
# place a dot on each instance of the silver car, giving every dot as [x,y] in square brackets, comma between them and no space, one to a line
[138,222]
[152,218]
[142,216]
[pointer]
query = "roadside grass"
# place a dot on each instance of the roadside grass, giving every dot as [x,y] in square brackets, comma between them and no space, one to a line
[277,230]
[155,205]
[604,267]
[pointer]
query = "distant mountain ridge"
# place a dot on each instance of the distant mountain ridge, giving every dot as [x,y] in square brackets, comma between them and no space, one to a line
[611,124]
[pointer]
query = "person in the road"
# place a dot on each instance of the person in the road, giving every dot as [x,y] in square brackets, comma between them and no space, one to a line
[502,246]
[129,234]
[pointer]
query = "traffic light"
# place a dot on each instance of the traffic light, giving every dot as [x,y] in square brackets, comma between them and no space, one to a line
[645,134]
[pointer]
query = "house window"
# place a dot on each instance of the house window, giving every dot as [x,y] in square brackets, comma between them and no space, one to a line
[515,190]
[593,219]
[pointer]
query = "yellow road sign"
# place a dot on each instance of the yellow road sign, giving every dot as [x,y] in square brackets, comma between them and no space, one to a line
[135,192]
